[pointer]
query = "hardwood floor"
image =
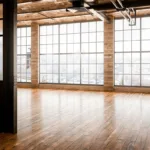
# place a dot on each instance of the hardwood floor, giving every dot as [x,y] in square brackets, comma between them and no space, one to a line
[77,120]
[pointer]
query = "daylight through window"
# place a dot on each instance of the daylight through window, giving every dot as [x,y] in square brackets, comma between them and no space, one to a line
[72,53]
[132,53]
[24,54]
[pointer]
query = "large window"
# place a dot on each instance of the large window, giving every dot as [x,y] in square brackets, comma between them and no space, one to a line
[1,42]
[24,54]
[132,53]
[72,53]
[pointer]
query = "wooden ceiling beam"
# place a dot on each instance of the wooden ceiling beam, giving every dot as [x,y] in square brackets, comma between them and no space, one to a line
[42,6]
[83,18]
[35,1]
[50,15]
[39,19]
[140,13]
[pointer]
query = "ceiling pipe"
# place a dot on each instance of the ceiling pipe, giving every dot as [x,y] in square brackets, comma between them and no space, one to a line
[124,15]
[100,15]
[114,4]
[125,12]
[120,3]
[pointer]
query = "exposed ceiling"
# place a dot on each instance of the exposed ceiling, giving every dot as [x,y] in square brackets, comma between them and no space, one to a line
[54,11]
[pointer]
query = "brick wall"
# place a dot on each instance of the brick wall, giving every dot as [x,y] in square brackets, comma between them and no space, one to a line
[108,55]
[35,55]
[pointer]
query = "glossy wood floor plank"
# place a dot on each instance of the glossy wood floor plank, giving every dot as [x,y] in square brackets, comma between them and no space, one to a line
[77,120]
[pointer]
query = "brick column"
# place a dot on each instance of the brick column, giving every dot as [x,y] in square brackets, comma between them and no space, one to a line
[35,55]
[109,55]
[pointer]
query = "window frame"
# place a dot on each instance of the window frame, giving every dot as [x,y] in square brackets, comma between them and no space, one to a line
[25,55]
[77,53]
[141,29]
